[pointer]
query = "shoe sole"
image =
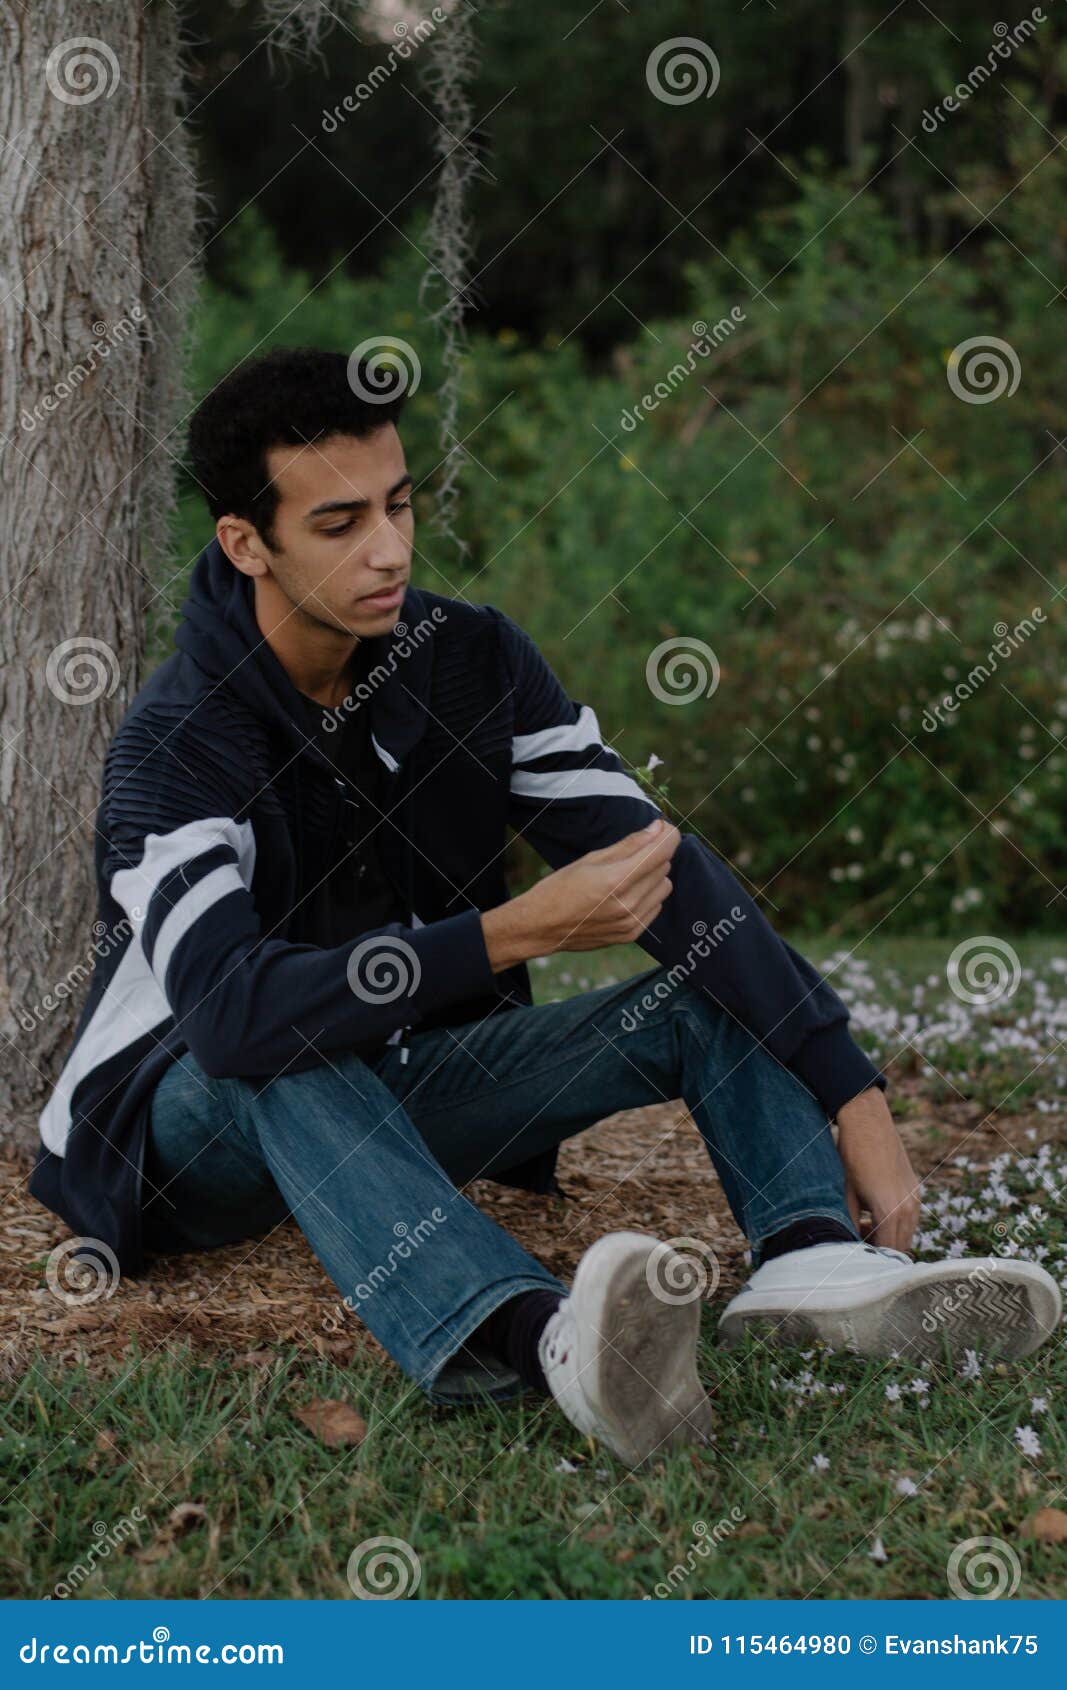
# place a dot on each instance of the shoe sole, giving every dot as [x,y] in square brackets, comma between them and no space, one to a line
[998,1307]
[641,1375]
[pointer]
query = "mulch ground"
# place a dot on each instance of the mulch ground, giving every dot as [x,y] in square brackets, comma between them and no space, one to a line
[644,1168]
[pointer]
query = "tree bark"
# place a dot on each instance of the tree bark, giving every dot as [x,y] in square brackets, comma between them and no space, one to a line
[860,108]
[85,323]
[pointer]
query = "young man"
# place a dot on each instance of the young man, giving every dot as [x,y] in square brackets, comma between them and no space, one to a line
[314,1000]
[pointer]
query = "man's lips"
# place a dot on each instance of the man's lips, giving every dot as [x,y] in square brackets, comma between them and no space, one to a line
[387,599]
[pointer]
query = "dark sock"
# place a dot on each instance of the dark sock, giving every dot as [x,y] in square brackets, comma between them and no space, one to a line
[799,1235]
[512,1332]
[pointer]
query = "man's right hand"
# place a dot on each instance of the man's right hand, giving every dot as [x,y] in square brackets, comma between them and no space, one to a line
[607,897]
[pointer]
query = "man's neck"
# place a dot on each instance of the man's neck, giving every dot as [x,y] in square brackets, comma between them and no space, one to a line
[319,661]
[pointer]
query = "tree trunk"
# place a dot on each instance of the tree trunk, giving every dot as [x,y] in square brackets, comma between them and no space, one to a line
[93,183]
[860,108]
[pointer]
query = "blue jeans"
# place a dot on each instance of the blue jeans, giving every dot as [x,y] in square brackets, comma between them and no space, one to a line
[368,1158]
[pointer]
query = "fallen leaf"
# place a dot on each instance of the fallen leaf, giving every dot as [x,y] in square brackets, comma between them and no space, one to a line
[183,1516]
[105,1445]
[181,1519]
[1048,1525]
[334,1423]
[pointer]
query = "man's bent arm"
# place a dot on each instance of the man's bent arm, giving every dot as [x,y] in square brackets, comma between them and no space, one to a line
[570,794]
[179,864]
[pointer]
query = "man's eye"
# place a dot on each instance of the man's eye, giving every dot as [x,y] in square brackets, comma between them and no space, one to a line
[404,506]
[345,526]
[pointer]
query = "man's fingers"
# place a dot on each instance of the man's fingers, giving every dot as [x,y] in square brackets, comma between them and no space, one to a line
[647,907]
[855,1208]
[636,844]
[648,862]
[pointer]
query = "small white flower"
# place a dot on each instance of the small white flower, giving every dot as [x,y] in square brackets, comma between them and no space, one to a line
[971,1368]
[565,1466]
[906,1487]
[892,1393]
[654,762]
[1038,1405]
[877,1551]
[1028,1440]
[921,1387]
[820,1464]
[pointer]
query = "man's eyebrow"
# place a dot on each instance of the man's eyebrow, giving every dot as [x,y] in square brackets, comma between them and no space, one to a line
[333,505]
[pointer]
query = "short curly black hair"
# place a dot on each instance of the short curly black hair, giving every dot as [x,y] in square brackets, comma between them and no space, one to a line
[286,397]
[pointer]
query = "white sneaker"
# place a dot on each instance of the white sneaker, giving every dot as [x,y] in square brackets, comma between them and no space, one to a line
[620,1359]
[878,1302]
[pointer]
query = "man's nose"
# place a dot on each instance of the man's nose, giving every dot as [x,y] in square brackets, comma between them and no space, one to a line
[385,548]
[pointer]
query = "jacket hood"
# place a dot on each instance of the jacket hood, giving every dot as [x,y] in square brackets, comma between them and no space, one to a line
[219,632]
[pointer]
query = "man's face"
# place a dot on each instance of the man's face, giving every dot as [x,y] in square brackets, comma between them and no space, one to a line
[343,529]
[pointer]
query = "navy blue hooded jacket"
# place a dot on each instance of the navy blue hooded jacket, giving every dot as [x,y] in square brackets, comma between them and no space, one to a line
[220,816]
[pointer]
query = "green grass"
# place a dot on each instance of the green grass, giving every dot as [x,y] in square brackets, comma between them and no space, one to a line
[479,1495]
[507,1500]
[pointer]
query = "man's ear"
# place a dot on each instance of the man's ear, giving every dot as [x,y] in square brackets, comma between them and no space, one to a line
[241,542]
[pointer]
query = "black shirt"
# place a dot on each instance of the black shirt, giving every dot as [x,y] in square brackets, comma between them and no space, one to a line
[358,892]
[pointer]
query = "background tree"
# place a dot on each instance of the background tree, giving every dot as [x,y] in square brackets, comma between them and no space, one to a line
[97,248]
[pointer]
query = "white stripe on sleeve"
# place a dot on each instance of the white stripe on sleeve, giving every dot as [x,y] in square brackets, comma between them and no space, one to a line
[199,898]
[568,736]
[133,887]
[578,783]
